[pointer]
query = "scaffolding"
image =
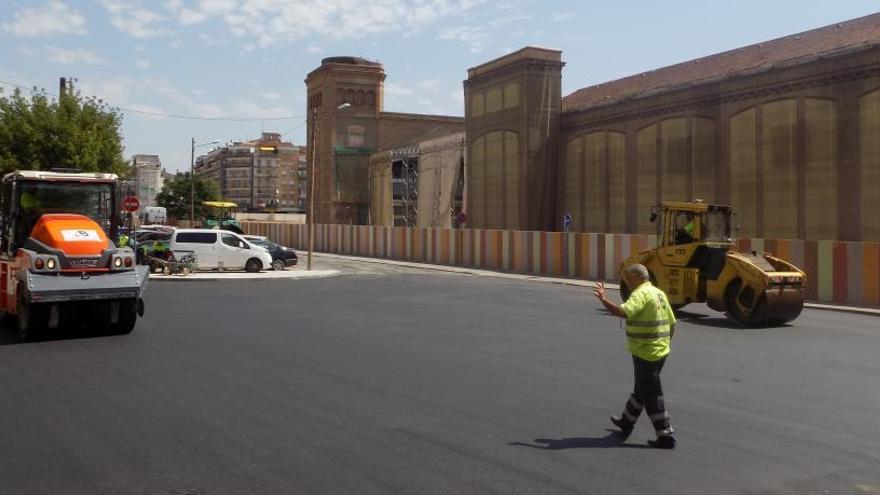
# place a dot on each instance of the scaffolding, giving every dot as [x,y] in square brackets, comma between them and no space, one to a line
[405,186]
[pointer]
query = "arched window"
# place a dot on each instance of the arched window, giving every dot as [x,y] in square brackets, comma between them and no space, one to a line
[869,139]
[743,156]
[779,145]
[494,185]
[820,168]
[595,188]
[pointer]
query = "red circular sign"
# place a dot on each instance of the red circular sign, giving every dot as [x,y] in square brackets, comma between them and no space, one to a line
[131,204]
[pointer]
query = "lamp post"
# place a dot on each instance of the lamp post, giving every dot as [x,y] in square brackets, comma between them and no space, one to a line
[192,178]
[311,212]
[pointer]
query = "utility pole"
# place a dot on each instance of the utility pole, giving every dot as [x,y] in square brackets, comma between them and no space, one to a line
[192,180]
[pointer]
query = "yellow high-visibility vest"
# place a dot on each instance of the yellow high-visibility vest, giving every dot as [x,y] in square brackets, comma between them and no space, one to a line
[650,322]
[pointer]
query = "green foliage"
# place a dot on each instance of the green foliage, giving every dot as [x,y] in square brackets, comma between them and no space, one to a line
[40,133]
[176,193]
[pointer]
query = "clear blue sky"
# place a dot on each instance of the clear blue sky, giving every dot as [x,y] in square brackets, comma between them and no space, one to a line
[248,58]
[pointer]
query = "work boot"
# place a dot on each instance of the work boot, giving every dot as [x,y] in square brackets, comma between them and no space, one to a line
[625,426]
[664,442]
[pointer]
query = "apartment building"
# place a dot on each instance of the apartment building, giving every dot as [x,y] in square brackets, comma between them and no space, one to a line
[259,175]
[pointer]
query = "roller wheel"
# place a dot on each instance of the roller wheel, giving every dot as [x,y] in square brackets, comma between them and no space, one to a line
[731,293]
[126,319]
[253,265]
[32,320]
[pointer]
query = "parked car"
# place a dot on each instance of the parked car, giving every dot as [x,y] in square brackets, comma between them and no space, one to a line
[219,250]
[282,257]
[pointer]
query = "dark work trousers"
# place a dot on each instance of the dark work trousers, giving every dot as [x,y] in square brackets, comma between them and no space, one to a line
[648,394]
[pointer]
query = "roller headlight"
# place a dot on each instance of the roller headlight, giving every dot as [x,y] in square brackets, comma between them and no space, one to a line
[38,263]
[51,263]
[117,262]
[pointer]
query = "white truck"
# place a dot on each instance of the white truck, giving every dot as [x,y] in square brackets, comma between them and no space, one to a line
[154,215]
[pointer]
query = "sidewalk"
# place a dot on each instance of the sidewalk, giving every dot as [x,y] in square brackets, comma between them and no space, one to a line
[549,280]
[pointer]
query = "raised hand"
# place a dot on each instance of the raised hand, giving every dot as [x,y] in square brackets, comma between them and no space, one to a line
[599,291]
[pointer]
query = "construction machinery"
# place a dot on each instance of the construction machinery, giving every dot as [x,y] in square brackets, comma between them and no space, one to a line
[222,216]
[696,261]
[58,261]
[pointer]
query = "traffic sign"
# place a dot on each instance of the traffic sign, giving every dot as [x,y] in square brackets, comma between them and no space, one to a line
[131,204]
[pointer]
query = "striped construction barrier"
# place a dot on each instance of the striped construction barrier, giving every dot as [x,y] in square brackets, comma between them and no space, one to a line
[837,271]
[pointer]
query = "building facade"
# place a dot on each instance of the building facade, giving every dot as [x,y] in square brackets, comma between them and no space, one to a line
[512,106]
[346,125]
[420,184]
[786,131]
[259,175]
[148,178]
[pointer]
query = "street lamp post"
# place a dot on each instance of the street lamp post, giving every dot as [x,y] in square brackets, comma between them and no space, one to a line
[192,178]
[311,212]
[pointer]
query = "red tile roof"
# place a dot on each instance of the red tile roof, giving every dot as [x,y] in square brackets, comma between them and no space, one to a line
[847,35]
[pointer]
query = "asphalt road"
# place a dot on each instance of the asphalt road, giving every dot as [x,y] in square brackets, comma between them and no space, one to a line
[407,381]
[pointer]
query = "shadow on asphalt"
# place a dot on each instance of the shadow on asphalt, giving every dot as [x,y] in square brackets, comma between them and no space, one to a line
[707,321]
[613,440]
[697,319]
[9,335]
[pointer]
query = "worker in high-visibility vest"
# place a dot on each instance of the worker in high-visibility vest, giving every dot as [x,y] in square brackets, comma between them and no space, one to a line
[650,323]
[684,234]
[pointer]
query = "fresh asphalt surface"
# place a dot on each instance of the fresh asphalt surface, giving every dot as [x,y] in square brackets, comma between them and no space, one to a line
[407,381]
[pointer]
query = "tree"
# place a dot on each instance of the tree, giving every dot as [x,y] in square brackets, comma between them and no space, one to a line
[175,195]
[71,131]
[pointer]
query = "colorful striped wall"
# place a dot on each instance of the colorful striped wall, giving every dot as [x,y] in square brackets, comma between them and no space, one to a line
[838,272]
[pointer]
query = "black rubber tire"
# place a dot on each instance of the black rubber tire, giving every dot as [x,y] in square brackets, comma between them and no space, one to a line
[32,321]
[253,265]
[127,318]
[278,265]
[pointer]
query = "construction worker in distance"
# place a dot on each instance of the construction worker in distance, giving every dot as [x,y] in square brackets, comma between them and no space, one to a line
[30,212]
[685,235]
[650,324]
[159,249]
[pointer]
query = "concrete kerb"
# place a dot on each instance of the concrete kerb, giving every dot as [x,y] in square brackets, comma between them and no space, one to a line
[268,275]
[551,280]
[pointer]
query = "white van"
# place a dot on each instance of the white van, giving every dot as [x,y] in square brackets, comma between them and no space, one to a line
[154,214]
[219,250]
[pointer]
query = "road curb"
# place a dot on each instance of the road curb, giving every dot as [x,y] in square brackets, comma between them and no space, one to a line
[551,280]
[249,277]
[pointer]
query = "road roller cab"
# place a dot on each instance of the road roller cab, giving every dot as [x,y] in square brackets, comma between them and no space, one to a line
[696,261]
[58,259]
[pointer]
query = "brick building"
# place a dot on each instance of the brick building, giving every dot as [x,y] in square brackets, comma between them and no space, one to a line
[786,131]
[345,105]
